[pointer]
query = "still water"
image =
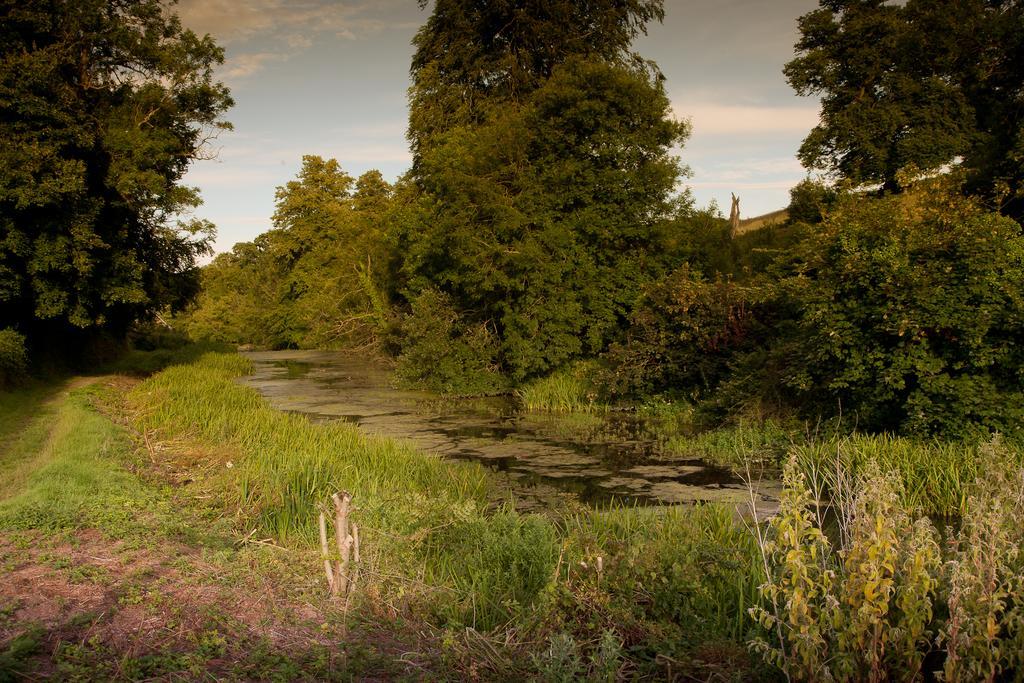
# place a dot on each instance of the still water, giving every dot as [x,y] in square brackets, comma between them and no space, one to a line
[543,460]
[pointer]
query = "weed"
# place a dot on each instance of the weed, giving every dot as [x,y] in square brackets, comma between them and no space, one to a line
[14,660]
[569,390]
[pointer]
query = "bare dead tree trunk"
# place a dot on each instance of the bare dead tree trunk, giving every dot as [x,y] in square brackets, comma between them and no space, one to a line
[734,217]
[346,537]
[342,503]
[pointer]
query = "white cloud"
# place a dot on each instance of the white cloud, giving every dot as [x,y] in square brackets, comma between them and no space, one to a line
[756,185]
[745,169]
[238,20]
[245,65]
[715,118]
[280,29]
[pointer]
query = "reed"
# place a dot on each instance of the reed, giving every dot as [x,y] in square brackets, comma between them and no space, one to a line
[568,390]
[935,476]
[696,567]
[760,443]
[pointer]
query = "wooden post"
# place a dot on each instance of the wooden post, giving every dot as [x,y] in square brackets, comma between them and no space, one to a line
[343,539]
[325,551]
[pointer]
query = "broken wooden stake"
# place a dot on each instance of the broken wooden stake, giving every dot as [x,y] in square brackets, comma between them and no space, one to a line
[340,578]
[325,551]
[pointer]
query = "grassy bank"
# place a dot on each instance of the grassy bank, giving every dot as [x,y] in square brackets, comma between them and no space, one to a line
[666,581]
[112,572]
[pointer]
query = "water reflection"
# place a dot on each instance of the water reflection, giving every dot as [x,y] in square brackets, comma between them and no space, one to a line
[593,459]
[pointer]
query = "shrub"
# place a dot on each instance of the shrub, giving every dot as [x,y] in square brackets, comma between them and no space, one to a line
[880,599]
[441,353]
[984,635]
[862,613]
[13,357]
[911,311]
[809,201]
[683,334]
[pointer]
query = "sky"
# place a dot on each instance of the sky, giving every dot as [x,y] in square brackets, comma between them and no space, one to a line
[329,77]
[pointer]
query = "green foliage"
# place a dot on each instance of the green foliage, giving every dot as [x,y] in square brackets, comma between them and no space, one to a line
[984,633]
[910,308]
[876,604]
[499,565]
[862,613]
[916,85]
[315,280]
[444,353]
[15,659]
[809,201]
[105,104]
[544,194]
[683,334]
[13,357]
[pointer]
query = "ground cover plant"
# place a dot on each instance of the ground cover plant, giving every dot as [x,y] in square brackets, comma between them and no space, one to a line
[878,595]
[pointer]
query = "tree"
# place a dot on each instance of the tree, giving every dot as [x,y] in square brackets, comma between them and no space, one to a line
[911,309]
[809,201]
[918,85]
[542,153]
[314,279]
[103,106]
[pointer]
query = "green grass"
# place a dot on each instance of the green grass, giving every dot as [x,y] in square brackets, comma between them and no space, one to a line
[146,362]
[936,476]
[694,566]
[58,474]
[569,390]
[756,443]
[18,408]
[429,540]
[287,466]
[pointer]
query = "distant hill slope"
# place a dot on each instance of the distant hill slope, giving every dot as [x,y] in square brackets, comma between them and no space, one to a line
[758,222]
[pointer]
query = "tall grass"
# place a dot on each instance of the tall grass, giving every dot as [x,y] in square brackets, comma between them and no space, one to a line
[936,476]
[287,466]
[568,390]
[694,566]
[428,536]
[761,442]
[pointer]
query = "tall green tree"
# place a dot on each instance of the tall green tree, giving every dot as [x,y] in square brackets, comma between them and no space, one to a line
[542,152]
[103,106]
[921,84]
[315,279]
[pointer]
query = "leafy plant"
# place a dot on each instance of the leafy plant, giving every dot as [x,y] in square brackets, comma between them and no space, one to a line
[910,308]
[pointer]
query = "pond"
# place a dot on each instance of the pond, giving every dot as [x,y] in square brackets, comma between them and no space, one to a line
[543,460]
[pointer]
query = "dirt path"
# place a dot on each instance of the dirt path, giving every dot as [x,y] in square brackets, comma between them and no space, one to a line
[172,598]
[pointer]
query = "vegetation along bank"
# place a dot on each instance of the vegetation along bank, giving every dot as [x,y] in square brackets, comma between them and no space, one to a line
[160,520]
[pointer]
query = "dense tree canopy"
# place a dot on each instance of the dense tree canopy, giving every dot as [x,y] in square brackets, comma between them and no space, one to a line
[315,278]
[911,309]
[917,85]
[103,105]
[545,170]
